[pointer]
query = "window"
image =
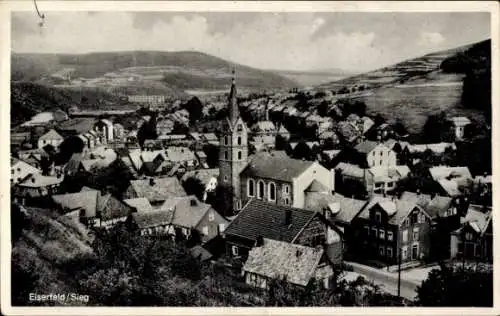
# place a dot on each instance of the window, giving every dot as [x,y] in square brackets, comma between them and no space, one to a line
[239,155]
[381,153]
[378,217]
[286,188]
[260,189]
[381,234]
[239,140]
[389,236]
[211,216]
[380,162]
[239,128]
[272,191]
[414,218]
[222,227]
[468,236]
[226,155]
[405,235]
[389,252]
[12,171]
[374,232]
[287,201]
[367,230]
[381,250]
[422,218]
[204,230]
[415,234]
[226,140]
[225,178]
[234,250]
[238,205]
[404,253]
[251,188]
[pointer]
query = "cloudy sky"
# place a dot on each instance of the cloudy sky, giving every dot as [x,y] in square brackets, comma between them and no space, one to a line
[294,41]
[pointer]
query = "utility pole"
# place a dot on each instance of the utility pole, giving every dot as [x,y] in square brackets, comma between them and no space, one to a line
[399,272]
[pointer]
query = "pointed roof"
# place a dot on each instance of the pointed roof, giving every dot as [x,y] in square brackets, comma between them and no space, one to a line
[234,112]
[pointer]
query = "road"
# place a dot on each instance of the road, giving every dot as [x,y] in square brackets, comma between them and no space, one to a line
[386,280]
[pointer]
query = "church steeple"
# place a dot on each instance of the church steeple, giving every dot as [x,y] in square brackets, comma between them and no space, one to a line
[234,112]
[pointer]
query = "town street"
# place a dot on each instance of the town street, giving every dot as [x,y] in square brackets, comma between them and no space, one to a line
[386,280]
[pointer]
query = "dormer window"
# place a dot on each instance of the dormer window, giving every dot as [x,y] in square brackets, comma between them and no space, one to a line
[378,217]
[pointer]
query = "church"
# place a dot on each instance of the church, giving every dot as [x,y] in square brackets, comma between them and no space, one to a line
[272,177]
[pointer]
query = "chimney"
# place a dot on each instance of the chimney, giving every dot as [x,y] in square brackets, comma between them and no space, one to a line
[298,253]
[193,202]
[288,217]
[151,181]
[259,241]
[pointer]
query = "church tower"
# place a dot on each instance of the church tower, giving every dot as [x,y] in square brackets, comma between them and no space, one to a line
[233,154]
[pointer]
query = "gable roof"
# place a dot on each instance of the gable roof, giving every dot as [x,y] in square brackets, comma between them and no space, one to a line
[277,259]
[258,218]
[204,175]
[366,146]
[37,180]
[187,210]
[438,206]
[159,189]
[52,134]
[179,154]
[153,218]
[350,170]
[396,209]
[275,166]
[200,253]
[478,220]
[316,186]
[140,204]
[349,207]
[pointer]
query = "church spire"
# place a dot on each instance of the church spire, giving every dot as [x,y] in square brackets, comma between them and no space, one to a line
[234,112]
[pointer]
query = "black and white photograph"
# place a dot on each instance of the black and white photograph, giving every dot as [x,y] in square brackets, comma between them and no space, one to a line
[249,158]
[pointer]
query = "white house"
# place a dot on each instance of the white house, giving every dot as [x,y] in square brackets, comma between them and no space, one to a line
[50,138]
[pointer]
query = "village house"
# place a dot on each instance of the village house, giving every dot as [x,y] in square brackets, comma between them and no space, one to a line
[105,130]
[36,185]
[297,264]
[119,131]
[474,239]
[387,227]
[32,157]
[182,156]
[259,219]
[459,124]
[164,126]
[375,154]
[155,190]
[190,214]
[50,138]
[452,180]
[19,170]
[96,208]
[348,132]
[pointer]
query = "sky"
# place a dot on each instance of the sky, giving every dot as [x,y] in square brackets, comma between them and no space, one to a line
[351,41]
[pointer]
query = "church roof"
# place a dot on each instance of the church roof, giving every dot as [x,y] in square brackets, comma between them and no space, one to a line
[275,166]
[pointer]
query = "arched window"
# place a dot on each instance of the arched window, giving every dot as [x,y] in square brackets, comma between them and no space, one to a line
[239,140]
[239,155]
[272,191]
[260,189]
[251,188]
[226,140]
[226,155]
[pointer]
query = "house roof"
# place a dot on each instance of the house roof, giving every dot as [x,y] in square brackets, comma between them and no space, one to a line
[264,126]
[276,259]
[350,170]
[348,131]
[258,218]
[73,163]
[366,146]
[140,204]
[153,218]
[86,200]
[275,165]
[384,173]
[179,154]
[50,135]
[210,137]
[442,172]
[450,187]
[159,189]
[188,210]
[460,120]
[438,206]
[37,180]
[420,199]
[478,220]
[396,209]
[332,153]
[437,148]
[349,207]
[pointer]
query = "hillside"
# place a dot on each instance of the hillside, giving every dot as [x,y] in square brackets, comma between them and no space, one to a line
[314,78]
[413,89]
[42,254]
[174,70]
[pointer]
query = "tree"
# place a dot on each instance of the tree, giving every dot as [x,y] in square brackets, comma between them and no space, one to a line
[67,148]
[222,199]
[212,153]
[458,285]
[194,186]
[323,108]
[437,129]
[147,130]
[195,109]
[280,142]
